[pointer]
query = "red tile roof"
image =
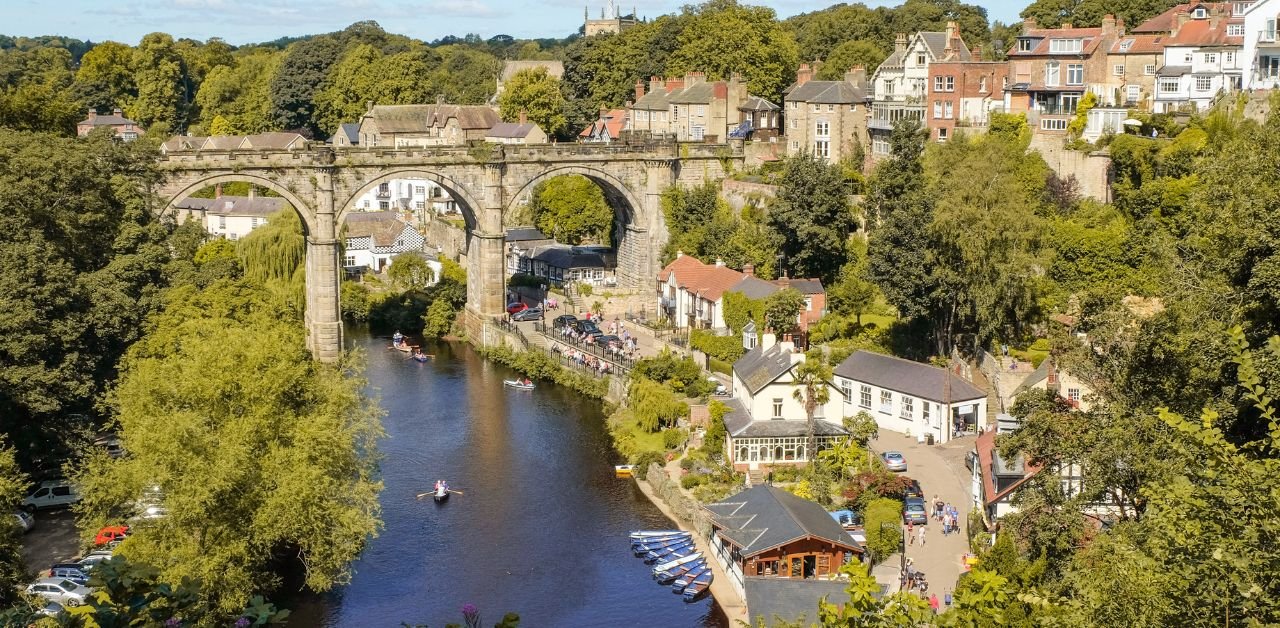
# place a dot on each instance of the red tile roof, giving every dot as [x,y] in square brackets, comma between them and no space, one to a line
[1091,37]
[1165,22]
[709,280]
[614,121]
[1203,33]
[985,445]
[1141,45]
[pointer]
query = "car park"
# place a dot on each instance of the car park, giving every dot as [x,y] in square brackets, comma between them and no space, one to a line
[512,308]
[91,561]
[52,609]
[529,314]
[50,494]
[111,444]
[894,460]
[111,535]
[60,590]
[24,520]
[74,572]
[913,511]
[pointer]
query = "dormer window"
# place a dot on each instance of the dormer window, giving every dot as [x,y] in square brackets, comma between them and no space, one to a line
[1066,46]
[1198,13]
[1024,45]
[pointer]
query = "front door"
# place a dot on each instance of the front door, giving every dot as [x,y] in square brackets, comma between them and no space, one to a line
[797,570]
[810,566]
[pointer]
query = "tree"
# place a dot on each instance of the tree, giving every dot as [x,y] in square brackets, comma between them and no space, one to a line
[364,74]
[722,37]
[812,214]
[240,94]
[1089,13]
[862,427]
[221,126]
[13,487]
[855,52]
[812,383]
[852,293]
[535,94]
[883,527]
[261,453]
[105,79]
[901,210]
[161,78]
[571,209]
[845,456]
[782,310]
[688,213]
[305,67]
[413,273]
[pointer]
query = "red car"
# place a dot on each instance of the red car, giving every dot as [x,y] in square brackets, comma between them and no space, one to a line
[512,308]
[111,534]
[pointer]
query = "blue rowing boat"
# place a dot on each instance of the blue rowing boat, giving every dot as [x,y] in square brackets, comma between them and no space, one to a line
[679,572]
[698,587]
[659,539]
[666,567]
[670,553]
[680,583]
[641,548]
[640,534]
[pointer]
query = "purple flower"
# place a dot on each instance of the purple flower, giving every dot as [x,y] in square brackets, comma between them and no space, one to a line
[243,622]
[471,615]
[173,622]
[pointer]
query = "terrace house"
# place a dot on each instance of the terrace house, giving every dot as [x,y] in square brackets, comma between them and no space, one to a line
[901,83]
[1261,46]
[1203,56]
[827,118]
[1051,68]
[963,94]
[401,126]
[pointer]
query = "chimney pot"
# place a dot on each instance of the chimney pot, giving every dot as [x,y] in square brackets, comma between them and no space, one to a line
[749,270]
[1068,25]
[679,254]
[117,111]
[93,114]
[523,117]
[803,74]
[719,263]
[1028,24]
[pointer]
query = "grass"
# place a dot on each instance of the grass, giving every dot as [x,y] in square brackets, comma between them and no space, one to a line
[879,320]
[629,439]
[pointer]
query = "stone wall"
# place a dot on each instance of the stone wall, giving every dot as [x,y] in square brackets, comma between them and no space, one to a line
[682,506]
[1091,170]
[450,240]
[739,193]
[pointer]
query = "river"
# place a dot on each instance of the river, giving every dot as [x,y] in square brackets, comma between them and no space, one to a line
[540,528]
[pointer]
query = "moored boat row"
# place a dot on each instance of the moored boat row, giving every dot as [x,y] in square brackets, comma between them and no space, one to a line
[676,561]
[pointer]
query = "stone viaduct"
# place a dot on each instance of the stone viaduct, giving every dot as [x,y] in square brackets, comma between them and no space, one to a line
[322,183]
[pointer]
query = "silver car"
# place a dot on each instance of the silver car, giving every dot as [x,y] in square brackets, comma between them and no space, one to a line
[894,460]
[60,590]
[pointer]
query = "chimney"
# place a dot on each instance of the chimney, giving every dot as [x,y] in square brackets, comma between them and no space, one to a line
[217,191]
[1108,25]
[856,76]
[1215,17]
[639,89]
[1029,24]
[118,112]
[1179,19]
[679,254]
[767,340]
[93,115]
[673,84]
[975,54]
[693,78]
[655,84]
[953,32]
[368,105]
[786,345]
[900,42]
[604,113]
[524,118]
[719,263]
[803,74]
[749,270]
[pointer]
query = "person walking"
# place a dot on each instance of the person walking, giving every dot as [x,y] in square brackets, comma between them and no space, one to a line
[911,539]
[933,603]
[921,536]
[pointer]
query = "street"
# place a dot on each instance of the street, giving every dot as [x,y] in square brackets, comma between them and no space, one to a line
[55,539]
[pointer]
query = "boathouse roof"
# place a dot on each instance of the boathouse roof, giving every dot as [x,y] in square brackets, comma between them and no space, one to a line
[763,517]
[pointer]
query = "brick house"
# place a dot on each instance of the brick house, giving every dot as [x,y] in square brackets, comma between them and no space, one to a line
[903,82]
[827,118]
[963,94]
[124,128]
[1203,54]
[1051,68]
[1131,76]
[425,125]
[691,108]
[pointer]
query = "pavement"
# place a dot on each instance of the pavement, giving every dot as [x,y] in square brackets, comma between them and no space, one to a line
[940,470]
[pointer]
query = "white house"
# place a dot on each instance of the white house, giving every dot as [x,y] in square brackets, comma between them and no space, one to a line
[373,238]
[909,397]
[1049,376]
[1261,46]
[1203,56]
[415,195]
[766,424]
[231,217]
[691,293]
[901,82]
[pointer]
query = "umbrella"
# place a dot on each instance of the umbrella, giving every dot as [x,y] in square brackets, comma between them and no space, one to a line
[1132,122]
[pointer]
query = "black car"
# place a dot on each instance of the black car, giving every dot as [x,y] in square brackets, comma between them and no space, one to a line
[914,490]
[74,572]
[586,327]
[564,320]
[531,314]
[605,341]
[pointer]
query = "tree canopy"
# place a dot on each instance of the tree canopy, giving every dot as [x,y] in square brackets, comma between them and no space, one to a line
[537,95]
[572,209]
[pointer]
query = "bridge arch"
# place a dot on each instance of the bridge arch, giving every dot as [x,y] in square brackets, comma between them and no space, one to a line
[631,219]
[304,210]
[470,206]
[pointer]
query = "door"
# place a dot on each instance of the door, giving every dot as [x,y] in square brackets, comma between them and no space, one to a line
[797,567]
[810,566]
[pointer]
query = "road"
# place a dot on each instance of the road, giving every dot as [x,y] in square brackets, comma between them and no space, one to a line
[55,539]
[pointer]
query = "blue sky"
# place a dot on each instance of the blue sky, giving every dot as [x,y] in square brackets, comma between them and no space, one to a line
[246,21]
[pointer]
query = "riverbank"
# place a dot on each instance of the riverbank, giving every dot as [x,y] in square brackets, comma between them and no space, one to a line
[733,605]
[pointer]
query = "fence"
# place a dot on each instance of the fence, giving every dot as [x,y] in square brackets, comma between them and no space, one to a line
[621,362]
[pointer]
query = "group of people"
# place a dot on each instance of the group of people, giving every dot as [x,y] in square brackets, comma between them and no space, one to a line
[584,359]
[947,515]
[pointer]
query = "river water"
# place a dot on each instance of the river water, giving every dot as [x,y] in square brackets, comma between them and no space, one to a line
[541,526]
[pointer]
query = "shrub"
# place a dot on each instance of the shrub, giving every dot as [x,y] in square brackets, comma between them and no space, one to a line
[654,406]
[643,460]
[680,374]
[713,441]
[720,366]
[787,473]
[355,302]
[883,540]
[673,437]
[687,463]
[525,280]
[724,348]
[693,480]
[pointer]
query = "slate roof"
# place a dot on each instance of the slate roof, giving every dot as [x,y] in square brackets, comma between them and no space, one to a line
[108,119]
[790,599]
[223,142]
[525,234]
[760,366]
[698,93]
[1039,375]
[827,92]
[803,286]
[383,227]
[937,44]
[1090,37]
[694,276]
[511,130]
[904,376]
[756,103]
[764,517]
[754,287]
[656,100]
[739,424]
[1173,70]
[235,205]
[568,257]
[1138,45]
[351,130]
[275,140]
[419,118]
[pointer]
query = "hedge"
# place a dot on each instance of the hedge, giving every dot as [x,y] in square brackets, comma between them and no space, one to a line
[723,348]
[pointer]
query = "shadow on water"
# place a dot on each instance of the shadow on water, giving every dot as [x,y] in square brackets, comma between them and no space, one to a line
[540,529]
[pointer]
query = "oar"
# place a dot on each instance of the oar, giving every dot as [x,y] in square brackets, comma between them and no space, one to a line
[453,491]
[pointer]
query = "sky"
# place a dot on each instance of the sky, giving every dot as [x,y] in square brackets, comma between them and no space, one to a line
[248,21]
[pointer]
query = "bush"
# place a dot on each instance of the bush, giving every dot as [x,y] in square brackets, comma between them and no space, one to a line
[713,440]
[680,374]
[720,366]
[645,459]
[356,302]
[673,438]
[655,407]
[525,280]
[693,480]
[883,540]
[724,348]
[786,473]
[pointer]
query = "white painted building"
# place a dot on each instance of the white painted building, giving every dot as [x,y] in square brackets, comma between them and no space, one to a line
[414,195]
[1261,45]
[372,239]
[1203,57]
[909,397]
[231,217]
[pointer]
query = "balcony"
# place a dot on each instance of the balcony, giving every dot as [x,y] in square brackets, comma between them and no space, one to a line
[1266,36]
[384,193]
[885,115]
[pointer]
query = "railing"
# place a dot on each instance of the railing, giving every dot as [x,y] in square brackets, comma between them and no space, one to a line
[1266,36]
[622,360]
[513,329]
[885,116]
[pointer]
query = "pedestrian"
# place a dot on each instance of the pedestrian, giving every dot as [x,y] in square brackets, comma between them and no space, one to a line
[910,533]
[933,603]
[921,536]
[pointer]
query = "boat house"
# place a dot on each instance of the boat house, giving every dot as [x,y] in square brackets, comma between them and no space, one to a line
[765,534]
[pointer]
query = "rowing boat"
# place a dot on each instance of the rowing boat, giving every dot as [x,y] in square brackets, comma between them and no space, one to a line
[669,565]
[688,577]
[640,534]
[668,553]
[679,572]
[518,385]
[698,587]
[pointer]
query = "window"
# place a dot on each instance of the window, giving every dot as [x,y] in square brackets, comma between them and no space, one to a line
[831,108]
[1024,45]
[822,148]
[1149,69]
[366,204]
[937,109]
[937,83]
[697,132]
[1210,58]
[982,85]
[253,223]
[702,111]
[942,134]
[1052,75]
[920,59]
[886,402]
[1134,93]
[777,408]
[924,409]
[1065,46]
[1198,13]
[419,189]
[889,87]
[1070,102]
[1053,124]
[950,83]
[846,390]
[947,110]
[880,145]
[1186,59]
[222,222]
[792,104]
[419,205]
[822,128]
[1229,59]
[1239,8]
[907,409]
[1075,74]
[795,124]
[815,107]
[384,205]
[864,396]
[349,260]
[1073,395]
[1118,69]
[1204,83]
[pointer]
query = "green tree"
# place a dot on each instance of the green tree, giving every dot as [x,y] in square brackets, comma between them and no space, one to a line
[304,68]
[847,457]
[272,256]
[883,527]
[221,126]
[13,488]
[722,37]
[535,94]
[571,209]
[278,461]
[240,94]
[812,381]
[811,212]
[1089,13]
[900,210]
[364,74]
[852,293]
[849,54]
[862,427]
[413,273]
[161,79]
[105,78]
[782,310]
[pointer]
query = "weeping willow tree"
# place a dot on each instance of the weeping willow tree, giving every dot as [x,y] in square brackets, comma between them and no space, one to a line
[273,257]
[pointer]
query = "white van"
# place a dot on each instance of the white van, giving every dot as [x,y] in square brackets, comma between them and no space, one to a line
[51,494]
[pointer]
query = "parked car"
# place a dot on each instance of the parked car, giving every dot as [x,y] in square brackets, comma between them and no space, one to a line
[111,535]
[52,609]
[719,389]
[111,443]
[914,490]
[971,460]
[74,572]
[528,314]
[605,341]
[514,307]
[913,511]
[60,590]
[589,328]
[564,320]
[894,460]
[50,494]
[89,562]
[25,520]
